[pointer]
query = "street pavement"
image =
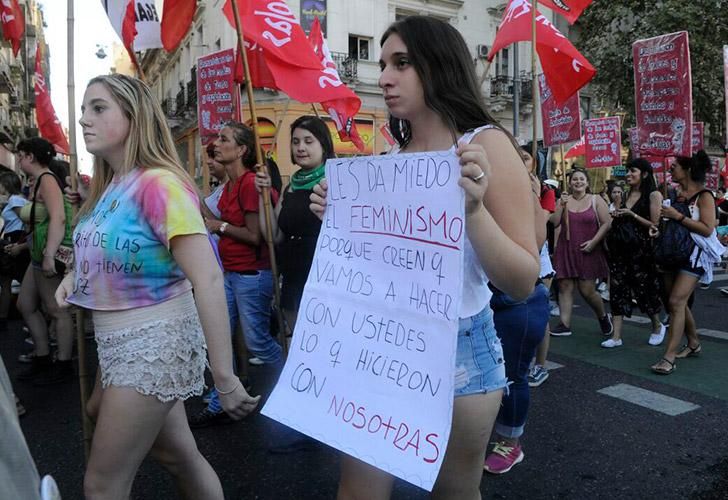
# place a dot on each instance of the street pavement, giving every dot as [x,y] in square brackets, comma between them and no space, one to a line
[601,427]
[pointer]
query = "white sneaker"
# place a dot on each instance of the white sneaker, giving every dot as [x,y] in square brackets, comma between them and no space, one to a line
[256,361]
[609,343]
[555,311]
[657,337]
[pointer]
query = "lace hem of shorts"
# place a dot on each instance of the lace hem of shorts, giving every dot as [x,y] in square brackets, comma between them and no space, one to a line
[163,358]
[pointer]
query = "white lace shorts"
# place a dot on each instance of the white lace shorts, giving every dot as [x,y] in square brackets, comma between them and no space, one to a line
[159,350]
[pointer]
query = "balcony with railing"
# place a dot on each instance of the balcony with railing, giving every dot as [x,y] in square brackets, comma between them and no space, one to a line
[346,66]
[169,107]
[502,86]
[192,90]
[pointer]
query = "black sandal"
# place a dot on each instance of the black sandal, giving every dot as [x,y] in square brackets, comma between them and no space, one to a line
[689,352]
[663,371]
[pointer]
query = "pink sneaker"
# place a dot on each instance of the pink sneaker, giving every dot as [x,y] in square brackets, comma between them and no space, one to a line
[503,458]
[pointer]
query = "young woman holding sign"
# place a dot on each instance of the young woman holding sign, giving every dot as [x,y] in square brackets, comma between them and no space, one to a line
[422,61]
[140,247]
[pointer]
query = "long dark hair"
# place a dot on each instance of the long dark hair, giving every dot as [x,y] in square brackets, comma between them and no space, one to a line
[647,184]
[320,131]
[444,65]
[698,165]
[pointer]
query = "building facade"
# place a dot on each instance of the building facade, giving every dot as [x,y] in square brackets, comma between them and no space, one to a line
[352,30]
[17,99]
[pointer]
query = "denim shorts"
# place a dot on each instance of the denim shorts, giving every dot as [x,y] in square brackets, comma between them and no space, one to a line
[479,364]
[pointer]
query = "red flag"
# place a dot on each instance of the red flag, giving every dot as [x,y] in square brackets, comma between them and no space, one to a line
[565,69]
[48,124]
[259,72]
[272,25]
[177,18]
[570,9]
[578,149]
[129,31]
[341,110]
[13,23]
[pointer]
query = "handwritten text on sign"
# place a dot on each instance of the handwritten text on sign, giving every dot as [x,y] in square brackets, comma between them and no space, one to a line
[602,142]
[371,365]
[215,90]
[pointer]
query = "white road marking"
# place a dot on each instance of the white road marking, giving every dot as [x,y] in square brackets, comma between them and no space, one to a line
[649,399]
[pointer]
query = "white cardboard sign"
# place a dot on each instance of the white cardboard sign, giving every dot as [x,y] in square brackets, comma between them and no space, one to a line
[371,366]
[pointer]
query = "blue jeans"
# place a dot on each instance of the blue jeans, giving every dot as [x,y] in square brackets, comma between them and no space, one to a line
[521,327]
[249,298]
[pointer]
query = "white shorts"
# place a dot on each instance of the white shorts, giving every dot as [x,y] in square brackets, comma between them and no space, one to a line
[159,350]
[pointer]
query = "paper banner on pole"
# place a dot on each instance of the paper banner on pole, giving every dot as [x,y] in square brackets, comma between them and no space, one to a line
[603,140]
[371,366]
[698,136]
[215,93]
[561,123]
[661,167]
[663,95]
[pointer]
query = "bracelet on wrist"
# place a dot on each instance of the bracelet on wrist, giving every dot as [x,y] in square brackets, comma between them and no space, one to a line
[224,393]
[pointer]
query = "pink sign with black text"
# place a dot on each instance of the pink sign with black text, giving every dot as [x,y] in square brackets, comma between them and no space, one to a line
[663,95]
[603,142]
[561,123]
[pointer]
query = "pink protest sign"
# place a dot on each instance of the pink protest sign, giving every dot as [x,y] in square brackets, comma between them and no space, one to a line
[215,92]
[712,178]
[663,95]
[561,123]
[602,140]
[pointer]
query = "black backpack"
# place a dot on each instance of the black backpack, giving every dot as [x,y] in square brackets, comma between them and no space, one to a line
[674,245]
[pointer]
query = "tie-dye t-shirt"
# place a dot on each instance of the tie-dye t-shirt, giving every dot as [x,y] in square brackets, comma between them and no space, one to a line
[122,257]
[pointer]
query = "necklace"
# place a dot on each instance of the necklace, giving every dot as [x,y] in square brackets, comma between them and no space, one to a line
[579,199]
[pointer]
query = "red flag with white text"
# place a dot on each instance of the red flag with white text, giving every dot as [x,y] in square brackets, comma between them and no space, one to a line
[177,16]
[273,26]
[260,74]
[342,110]
[13,23]
[565,69]
[48,125]
[570,9]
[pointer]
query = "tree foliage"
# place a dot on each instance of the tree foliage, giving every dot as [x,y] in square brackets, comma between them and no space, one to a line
[608,28]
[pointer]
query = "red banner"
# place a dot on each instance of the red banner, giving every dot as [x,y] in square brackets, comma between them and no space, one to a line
[13,23]
[602,139]
[273,26]
[49,126]
[663,95]
[697,136]
[570,9]
[633,141]
[215,91]
[565,68]
[561,122]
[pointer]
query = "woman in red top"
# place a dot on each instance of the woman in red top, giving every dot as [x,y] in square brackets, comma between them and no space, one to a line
[244,255]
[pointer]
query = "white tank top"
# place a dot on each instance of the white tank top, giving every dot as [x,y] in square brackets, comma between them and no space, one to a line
[475,292]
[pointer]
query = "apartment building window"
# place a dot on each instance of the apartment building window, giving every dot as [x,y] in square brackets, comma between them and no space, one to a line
[360,48]
[501,64]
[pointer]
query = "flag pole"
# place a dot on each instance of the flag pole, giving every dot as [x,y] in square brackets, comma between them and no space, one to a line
[80,334]
[563,167]
[315,110]
[534,82]
[278,126]
[267,212]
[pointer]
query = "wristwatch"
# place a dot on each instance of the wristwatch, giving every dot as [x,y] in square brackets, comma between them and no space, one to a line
[223,227]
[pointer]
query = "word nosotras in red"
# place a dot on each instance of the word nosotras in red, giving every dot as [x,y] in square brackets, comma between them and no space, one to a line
[402,437]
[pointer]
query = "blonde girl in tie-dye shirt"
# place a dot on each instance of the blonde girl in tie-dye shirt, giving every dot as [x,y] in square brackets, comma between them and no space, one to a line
[141,247]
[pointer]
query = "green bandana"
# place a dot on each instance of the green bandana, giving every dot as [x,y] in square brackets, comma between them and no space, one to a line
[307,179]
